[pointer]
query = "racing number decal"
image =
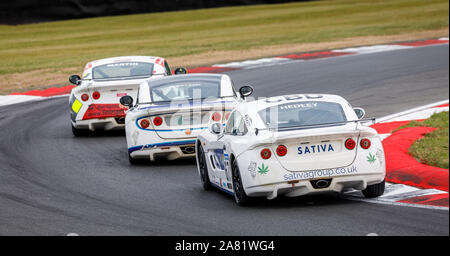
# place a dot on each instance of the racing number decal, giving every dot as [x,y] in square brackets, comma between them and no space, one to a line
[222,164]
[292,97]
[218,158]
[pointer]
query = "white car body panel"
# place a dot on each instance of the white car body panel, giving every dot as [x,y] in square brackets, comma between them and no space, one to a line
[106,112]
[170,139]
[290,175]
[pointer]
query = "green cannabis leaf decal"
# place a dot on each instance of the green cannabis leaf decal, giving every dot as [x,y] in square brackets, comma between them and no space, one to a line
[371,158]
[263,169]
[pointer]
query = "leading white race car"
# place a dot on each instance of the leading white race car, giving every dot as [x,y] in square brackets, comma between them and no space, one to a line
[94,103]
[171,111]
[292,145]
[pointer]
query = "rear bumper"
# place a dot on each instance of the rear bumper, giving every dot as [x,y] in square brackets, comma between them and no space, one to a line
[110,123]
[302,187]
[170,150]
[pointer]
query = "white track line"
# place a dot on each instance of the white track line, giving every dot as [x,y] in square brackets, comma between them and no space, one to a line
[389,118]
[375,201]
[13,99]
[373,49]
[251,63]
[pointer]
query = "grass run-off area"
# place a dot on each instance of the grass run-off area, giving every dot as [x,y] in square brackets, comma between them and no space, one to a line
[432,149]
[54,46]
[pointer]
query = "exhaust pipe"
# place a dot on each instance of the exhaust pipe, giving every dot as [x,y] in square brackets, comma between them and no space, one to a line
[120,120]
[188,150]
[318,184]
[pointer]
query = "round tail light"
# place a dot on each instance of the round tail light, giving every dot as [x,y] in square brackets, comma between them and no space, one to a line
[145,123]
[265,153]
[96,95]
[216,116]
[350,144]
[365,143]
[84,97]
[281,150]
[157,121]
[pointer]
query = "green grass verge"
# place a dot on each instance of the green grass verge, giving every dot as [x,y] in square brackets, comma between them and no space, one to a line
[74,42]
[432,149]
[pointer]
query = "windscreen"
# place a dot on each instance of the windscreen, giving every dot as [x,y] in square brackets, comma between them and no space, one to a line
[185,90]
[123,70]
[302,114]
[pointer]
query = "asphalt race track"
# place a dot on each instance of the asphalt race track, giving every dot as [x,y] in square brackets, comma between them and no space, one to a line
[54,184]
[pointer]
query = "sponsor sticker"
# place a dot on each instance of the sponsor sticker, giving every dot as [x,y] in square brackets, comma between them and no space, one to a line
[122,64]
[321,148]
[371,158]
[104,110]
[252,169]
[298,105]
[76,106]
[264,169]
[306,175]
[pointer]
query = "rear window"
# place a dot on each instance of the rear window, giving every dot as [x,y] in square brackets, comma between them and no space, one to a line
[123,70]
[302,113]
[185,90]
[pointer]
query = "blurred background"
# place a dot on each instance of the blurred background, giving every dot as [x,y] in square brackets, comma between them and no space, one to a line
[30,11]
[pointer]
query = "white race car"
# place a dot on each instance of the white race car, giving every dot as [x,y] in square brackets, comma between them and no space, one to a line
[292,145]
[171,111]
[94,102]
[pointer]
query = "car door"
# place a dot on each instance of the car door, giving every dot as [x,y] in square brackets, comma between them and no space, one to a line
[221,150]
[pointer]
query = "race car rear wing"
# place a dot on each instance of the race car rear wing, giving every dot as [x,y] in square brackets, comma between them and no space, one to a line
[310,126]
[167,109]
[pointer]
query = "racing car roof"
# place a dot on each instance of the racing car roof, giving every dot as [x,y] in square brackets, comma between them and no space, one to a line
[253,107]
[282,99]
[158,61]
[226,85]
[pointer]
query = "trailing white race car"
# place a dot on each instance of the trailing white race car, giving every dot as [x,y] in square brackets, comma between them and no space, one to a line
[292,145]
[171,111]
[94,103]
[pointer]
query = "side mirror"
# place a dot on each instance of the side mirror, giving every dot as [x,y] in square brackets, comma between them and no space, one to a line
[180,71]
[360,113]
[75,79]
[245,91]
[216,128]
[126,101]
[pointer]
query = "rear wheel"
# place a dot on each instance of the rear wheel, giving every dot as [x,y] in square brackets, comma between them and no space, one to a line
[132,160]
[79,132]
[374,190]
[137,161]
[240,197]
[203,169]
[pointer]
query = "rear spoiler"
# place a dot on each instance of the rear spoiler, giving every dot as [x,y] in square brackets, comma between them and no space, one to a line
[167,109]
[301,127]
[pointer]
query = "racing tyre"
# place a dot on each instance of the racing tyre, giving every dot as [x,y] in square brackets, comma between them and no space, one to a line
[374,190]
[136,161]
[240,197]
[79,132]
[203,169]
